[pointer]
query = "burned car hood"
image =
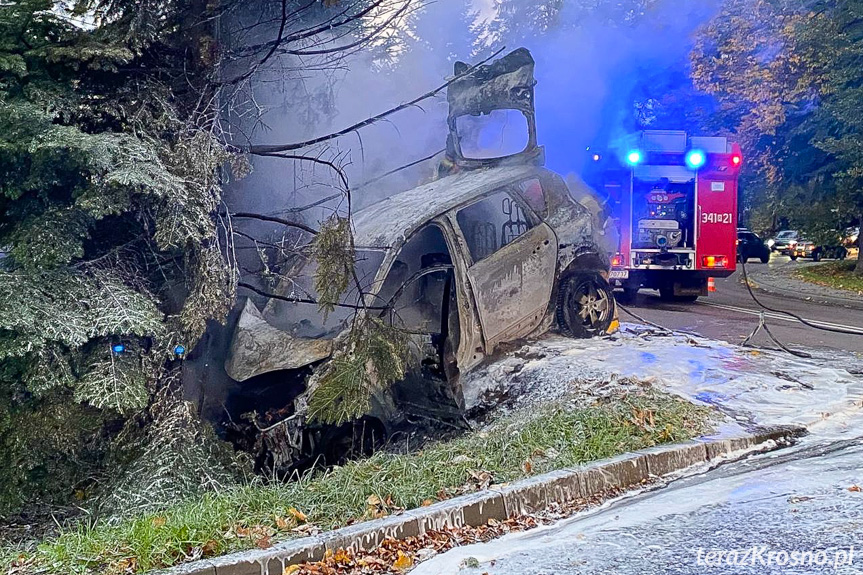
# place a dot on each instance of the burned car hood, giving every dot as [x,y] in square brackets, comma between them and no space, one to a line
[258,347]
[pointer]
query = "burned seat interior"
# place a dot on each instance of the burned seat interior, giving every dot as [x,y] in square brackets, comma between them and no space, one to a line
[418,283]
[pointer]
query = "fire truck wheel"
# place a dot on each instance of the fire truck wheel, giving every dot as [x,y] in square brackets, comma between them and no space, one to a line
[585,305]
[628,295]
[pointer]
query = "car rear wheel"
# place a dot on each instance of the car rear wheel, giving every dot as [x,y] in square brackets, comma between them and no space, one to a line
[794,258]
[765,258]
[585,305]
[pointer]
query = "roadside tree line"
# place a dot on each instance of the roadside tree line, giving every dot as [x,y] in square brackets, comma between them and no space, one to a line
[788,80]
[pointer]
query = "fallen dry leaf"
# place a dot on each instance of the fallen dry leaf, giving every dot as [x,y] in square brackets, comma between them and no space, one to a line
[373,500]
[210,548]
[855,489]
[398,555]
[527,466]
[341,556]
[282,523]
[127,565]
[263,542]
[306,529]
[482,479]
[427,502]
[159,521]
[403,562]
[299,515]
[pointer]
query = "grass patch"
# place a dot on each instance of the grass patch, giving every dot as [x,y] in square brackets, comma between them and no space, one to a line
[260,514]
[838,275]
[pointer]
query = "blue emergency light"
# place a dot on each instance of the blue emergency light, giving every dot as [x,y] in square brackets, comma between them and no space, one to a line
[695,159]
[179,350]
[634,157]
[118,348]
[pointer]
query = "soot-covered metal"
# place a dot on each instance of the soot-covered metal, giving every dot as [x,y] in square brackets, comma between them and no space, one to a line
[494,251]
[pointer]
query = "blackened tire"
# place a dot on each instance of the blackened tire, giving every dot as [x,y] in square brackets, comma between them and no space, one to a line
[793,258]
[765,259]
[666,293]
[628,295]
[585,305]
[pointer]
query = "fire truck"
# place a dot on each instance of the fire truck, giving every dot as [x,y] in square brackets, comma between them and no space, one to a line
[673,198]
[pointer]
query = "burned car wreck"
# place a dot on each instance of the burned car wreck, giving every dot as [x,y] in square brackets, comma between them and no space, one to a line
[494,250]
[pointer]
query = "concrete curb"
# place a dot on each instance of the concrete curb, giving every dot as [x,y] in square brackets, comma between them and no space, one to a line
[769,287]
[498,502]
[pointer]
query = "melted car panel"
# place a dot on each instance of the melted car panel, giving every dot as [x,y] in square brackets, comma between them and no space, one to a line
[462,264]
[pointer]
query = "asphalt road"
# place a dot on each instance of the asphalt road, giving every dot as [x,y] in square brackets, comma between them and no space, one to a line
[806,499]
[731,315]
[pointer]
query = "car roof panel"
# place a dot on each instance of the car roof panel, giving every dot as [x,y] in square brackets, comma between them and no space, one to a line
[387,223]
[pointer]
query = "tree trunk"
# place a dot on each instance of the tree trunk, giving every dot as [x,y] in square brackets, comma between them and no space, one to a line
[858,269]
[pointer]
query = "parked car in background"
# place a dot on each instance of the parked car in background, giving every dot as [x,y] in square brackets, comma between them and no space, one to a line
[807,249]
[804,248]
[783,241]
[750,246]
[850,241]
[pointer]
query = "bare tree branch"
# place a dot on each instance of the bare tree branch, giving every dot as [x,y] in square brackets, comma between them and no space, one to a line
[265,218]
[301,300]
[263,150]
[312,159]
[326,26]
[307,206]
[399,169]
[359,42]
[272,51]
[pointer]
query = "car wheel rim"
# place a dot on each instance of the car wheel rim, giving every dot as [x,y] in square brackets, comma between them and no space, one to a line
[592,305]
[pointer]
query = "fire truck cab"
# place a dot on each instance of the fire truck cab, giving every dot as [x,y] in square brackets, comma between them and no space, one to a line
[674,200]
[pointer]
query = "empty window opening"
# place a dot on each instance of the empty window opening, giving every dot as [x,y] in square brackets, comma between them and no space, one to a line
[492,223]
[418,297]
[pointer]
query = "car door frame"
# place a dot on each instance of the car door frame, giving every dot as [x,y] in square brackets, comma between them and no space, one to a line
[539,237]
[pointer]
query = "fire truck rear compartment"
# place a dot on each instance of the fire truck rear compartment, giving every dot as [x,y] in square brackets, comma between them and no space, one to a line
[662,213]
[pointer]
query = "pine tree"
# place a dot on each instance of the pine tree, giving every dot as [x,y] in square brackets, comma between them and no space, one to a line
[108,197]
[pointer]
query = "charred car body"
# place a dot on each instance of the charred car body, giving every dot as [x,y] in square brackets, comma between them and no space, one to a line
[494,250]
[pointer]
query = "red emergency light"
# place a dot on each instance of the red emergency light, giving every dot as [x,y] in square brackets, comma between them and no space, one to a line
[736,160]
[714,262]
[617,261]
